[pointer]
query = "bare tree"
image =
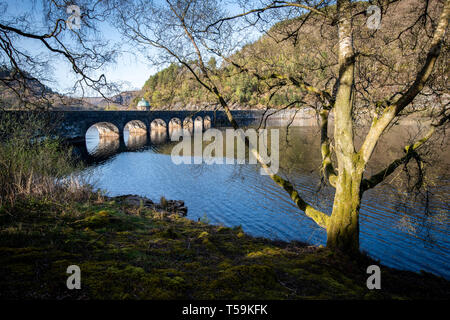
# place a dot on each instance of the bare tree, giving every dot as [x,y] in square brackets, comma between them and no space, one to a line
[357,75]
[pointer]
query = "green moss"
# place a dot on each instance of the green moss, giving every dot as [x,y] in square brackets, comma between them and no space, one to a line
[266,252]
[123,255]
[203,235]
[170,233]
[94,221]
[247,282]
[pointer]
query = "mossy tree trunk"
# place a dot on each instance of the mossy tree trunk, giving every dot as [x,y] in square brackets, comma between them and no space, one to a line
[343,226]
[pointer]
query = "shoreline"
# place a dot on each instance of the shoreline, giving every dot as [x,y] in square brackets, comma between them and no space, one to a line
[129,251]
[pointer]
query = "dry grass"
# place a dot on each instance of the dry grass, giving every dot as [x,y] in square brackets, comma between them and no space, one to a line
[32,163]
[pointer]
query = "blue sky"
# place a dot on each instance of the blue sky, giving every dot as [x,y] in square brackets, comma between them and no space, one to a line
[130,70]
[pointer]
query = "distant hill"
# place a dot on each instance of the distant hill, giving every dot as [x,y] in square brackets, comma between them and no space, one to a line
[122,101]
[17,92]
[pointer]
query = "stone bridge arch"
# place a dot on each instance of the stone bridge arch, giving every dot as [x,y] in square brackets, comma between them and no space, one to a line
[198,123]
[158,124]
[175,123]
[175,126]
[207,122]
[188,123]
[135,127]
[105,129]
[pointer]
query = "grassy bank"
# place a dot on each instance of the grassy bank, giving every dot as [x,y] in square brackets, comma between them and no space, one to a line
[127,252]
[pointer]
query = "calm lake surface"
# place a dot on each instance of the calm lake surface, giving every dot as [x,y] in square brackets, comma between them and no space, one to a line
[400,229]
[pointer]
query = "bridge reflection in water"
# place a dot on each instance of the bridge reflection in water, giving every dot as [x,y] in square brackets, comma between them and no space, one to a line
[134,141]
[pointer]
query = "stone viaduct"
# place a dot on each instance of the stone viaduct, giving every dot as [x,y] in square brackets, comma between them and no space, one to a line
[73,125]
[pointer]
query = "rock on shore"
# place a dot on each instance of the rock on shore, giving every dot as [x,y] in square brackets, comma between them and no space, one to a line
[165,206]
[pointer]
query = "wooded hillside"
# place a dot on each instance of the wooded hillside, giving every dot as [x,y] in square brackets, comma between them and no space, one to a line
[263,73]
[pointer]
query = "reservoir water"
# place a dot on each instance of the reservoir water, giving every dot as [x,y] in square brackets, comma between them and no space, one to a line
[402,229]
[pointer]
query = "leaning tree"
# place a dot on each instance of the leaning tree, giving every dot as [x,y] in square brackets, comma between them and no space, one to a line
[366,73]
[344,68]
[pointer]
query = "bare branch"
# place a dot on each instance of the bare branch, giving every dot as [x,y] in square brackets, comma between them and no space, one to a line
[410,152]
[390,112]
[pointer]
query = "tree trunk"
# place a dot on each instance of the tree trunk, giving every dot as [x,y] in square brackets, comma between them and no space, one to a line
[343,227]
